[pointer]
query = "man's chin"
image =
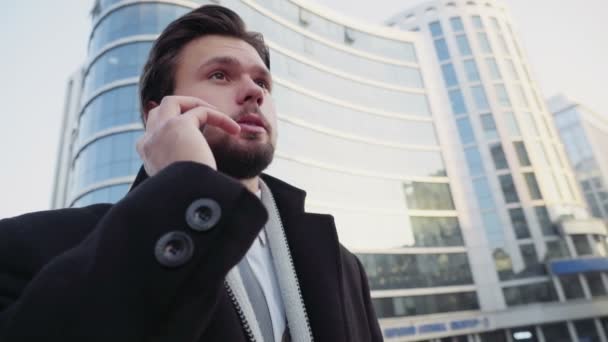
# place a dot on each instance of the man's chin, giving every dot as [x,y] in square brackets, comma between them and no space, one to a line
[244,163]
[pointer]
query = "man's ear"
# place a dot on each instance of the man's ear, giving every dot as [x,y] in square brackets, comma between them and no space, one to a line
[149,106]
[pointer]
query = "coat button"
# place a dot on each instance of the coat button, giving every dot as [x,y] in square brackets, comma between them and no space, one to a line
[203,214]
[174,249]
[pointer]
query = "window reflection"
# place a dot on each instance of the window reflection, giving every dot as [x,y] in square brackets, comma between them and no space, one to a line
[546,225]
[522,154]
[457,102]
[581,245]
[527,294]
[109,157]
[586,330]
[425,304]
[519,222]
[110,194]
[436,231]
[400,271]
[449,75]
[498,156]
[122,62]
[556,332]
[463,45]
[557,249]
[428,196]
[508,188]
[441,48]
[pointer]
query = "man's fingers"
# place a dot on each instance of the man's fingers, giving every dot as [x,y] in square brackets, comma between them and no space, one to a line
[208,116]
[172,106]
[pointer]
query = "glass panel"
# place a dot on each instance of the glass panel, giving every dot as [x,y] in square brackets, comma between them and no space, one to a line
[493,336]
[532,266]
[503,44]
[596,285]
[457,102]
[522,101]
[428,196]
[581,244]
[435,28]
[520,225]
[511,69]
[495,24]
[530,124]
[483,194]
[463,45]
[522,154]
[465,131]
[477,23]
[557,249]
[493,68]
[474,161]
[489,126]
[449,75]
[501,94]
[442,49]
[470,68]
[110,194]
[425,304]
[436,231]
[498,156]
[401,271]
[586,330]
[532,186]
[556,332]
[508,189]
[481,101]
[527,294]
[484,43]
[512,124]
[456,23]
[542,215]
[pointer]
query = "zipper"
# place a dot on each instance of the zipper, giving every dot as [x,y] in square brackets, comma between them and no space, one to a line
[239,312]
[293,269]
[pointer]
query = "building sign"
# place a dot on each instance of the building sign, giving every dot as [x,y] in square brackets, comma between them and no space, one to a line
[452,326]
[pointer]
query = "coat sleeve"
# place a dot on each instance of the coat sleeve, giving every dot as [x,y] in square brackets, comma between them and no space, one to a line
[111,286]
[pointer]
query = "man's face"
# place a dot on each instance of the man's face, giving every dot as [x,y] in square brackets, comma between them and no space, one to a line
[229,74]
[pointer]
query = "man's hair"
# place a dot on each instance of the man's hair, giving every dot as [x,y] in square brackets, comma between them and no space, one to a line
[158,75]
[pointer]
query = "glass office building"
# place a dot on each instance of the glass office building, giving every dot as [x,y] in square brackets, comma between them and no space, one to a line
[585,137]
[367,130]
[540,253]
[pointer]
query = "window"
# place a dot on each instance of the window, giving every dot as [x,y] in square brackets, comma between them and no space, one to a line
[436,231]
[520,225]
[530,258]
[508,188]
[471,71]
[465,131]
[532,186]
[511,69]
[484,197]
[586,331]
[457,102]
[395,271]
[463,45]
[489,126]
[493,336]
[477,23]
[572,287]
[530,124]
[428,196]
[556,332]
[529,332]
[474,161]
[557,249]
[456,23]
[596,285]
[442,49]
[495,24]
[503,44]
[526,294]
[449,75]
[484,43]
[522,154]
[493,68]
[522,101]
[542,215]
[512,124]
[503,97]
[435,28]
[498,156]
[425,304]
[481,100]
[581,244]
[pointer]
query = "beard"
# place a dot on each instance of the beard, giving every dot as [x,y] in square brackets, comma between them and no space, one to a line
[242,162]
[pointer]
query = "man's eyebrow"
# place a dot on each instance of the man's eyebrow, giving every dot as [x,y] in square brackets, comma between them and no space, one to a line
[231,61]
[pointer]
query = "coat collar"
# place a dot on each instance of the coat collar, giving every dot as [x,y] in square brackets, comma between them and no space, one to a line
[316,253]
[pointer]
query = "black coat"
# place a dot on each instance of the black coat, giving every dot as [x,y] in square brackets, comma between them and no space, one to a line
[91,274]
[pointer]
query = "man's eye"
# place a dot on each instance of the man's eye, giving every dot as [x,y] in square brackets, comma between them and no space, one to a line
[262,84]
[218,75]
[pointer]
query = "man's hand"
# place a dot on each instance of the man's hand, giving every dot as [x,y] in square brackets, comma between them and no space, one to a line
[174,133]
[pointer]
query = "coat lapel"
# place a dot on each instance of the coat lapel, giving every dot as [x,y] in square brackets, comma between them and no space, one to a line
[315,250]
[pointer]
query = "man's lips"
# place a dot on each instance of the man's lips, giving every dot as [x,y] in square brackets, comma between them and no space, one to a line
[251,123]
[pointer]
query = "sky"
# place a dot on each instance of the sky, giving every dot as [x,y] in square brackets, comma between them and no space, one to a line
[43,42]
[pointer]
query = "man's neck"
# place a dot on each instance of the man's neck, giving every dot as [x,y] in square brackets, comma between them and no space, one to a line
[252,184]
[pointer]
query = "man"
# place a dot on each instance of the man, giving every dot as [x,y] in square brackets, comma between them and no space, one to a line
[202,248]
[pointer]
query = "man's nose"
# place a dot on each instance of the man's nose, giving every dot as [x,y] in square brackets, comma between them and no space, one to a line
[251,92]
